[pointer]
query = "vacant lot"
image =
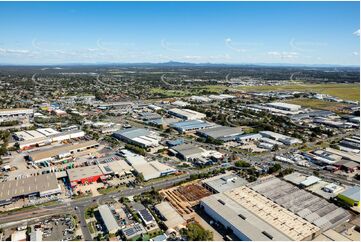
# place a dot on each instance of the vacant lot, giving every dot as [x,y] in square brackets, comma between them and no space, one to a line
[318,104]
[343,91]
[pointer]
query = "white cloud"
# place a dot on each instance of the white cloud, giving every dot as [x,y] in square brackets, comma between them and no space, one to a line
[283,55]
[13,51]
[357,32]
[355,53]
[233,46]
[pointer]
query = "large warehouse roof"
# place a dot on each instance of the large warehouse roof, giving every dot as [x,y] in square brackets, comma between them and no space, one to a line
[308,206]
[48,153]
[255,218]
[191,125]
[188,150]
[83,172]
[26,186]
[221,132]
[133,133]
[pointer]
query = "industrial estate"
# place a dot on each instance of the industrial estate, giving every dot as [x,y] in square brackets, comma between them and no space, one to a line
[177,151]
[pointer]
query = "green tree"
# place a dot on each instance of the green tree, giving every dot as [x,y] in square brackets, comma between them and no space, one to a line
[195,232]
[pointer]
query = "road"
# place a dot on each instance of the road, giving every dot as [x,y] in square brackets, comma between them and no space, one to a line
[78,206]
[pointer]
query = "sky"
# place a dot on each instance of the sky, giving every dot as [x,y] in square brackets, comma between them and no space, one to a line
[196,32]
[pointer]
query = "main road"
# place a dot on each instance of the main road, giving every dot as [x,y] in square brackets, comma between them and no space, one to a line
[79,206]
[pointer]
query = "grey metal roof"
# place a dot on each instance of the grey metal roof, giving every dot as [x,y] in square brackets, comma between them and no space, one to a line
[132,132]
[26,186]
[187,149]
[221,131]
[353,193]
[108,218]
[225,182]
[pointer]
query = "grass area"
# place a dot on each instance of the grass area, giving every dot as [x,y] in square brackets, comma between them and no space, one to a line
[89,212]
[91,226]
[111,189]
[82,196]
[318,104]
[343,91]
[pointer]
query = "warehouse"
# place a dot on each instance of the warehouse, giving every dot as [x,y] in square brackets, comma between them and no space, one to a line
[312,208]
[284,106]
[138,136]
[188,151]
[119,168]
[253,217]
[186,114]
[221,133]
[153,169]
[84,175]
[223,182]
[248,137]
[191,125]
[351,196]
[15,114]
[172,218]
[200,99]
[40,137]
[149,170]
[61,152]
[108,219]
[287,140]
[42,186]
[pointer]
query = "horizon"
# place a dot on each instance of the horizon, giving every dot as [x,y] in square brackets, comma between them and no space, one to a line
[98,33]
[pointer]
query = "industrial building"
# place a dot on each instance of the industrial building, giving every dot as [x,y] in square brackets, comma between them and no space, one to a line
[117,167]
[252,217]
[84,175]
[60,153]
[312,208]
[172,219]
[15,114]
[248,137]
[186,114]
[109,221]
[351,196]
[42,186]
[138,136]
[200,99]
[133,232]
[148,169]
[191,125]
[190,152]
[284,106]
[32,138]
[223,182]
[287,140]
[221,133]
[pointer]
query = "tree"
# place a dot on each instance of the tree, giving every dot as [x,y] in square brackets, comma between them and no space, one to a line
[274,168]
[242,164]
[195,232]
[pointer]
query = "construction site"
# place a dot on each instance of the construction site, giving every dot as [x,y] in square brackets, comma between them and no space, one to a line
[184,197]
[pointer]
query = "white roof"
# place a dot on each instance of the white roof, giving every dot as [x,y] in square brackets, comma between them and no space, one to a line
[173,219]
[108,218]
[310,180]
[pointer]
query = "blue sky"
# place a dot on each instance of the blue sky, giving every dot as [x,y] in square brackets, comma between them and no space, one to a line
[198,32]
